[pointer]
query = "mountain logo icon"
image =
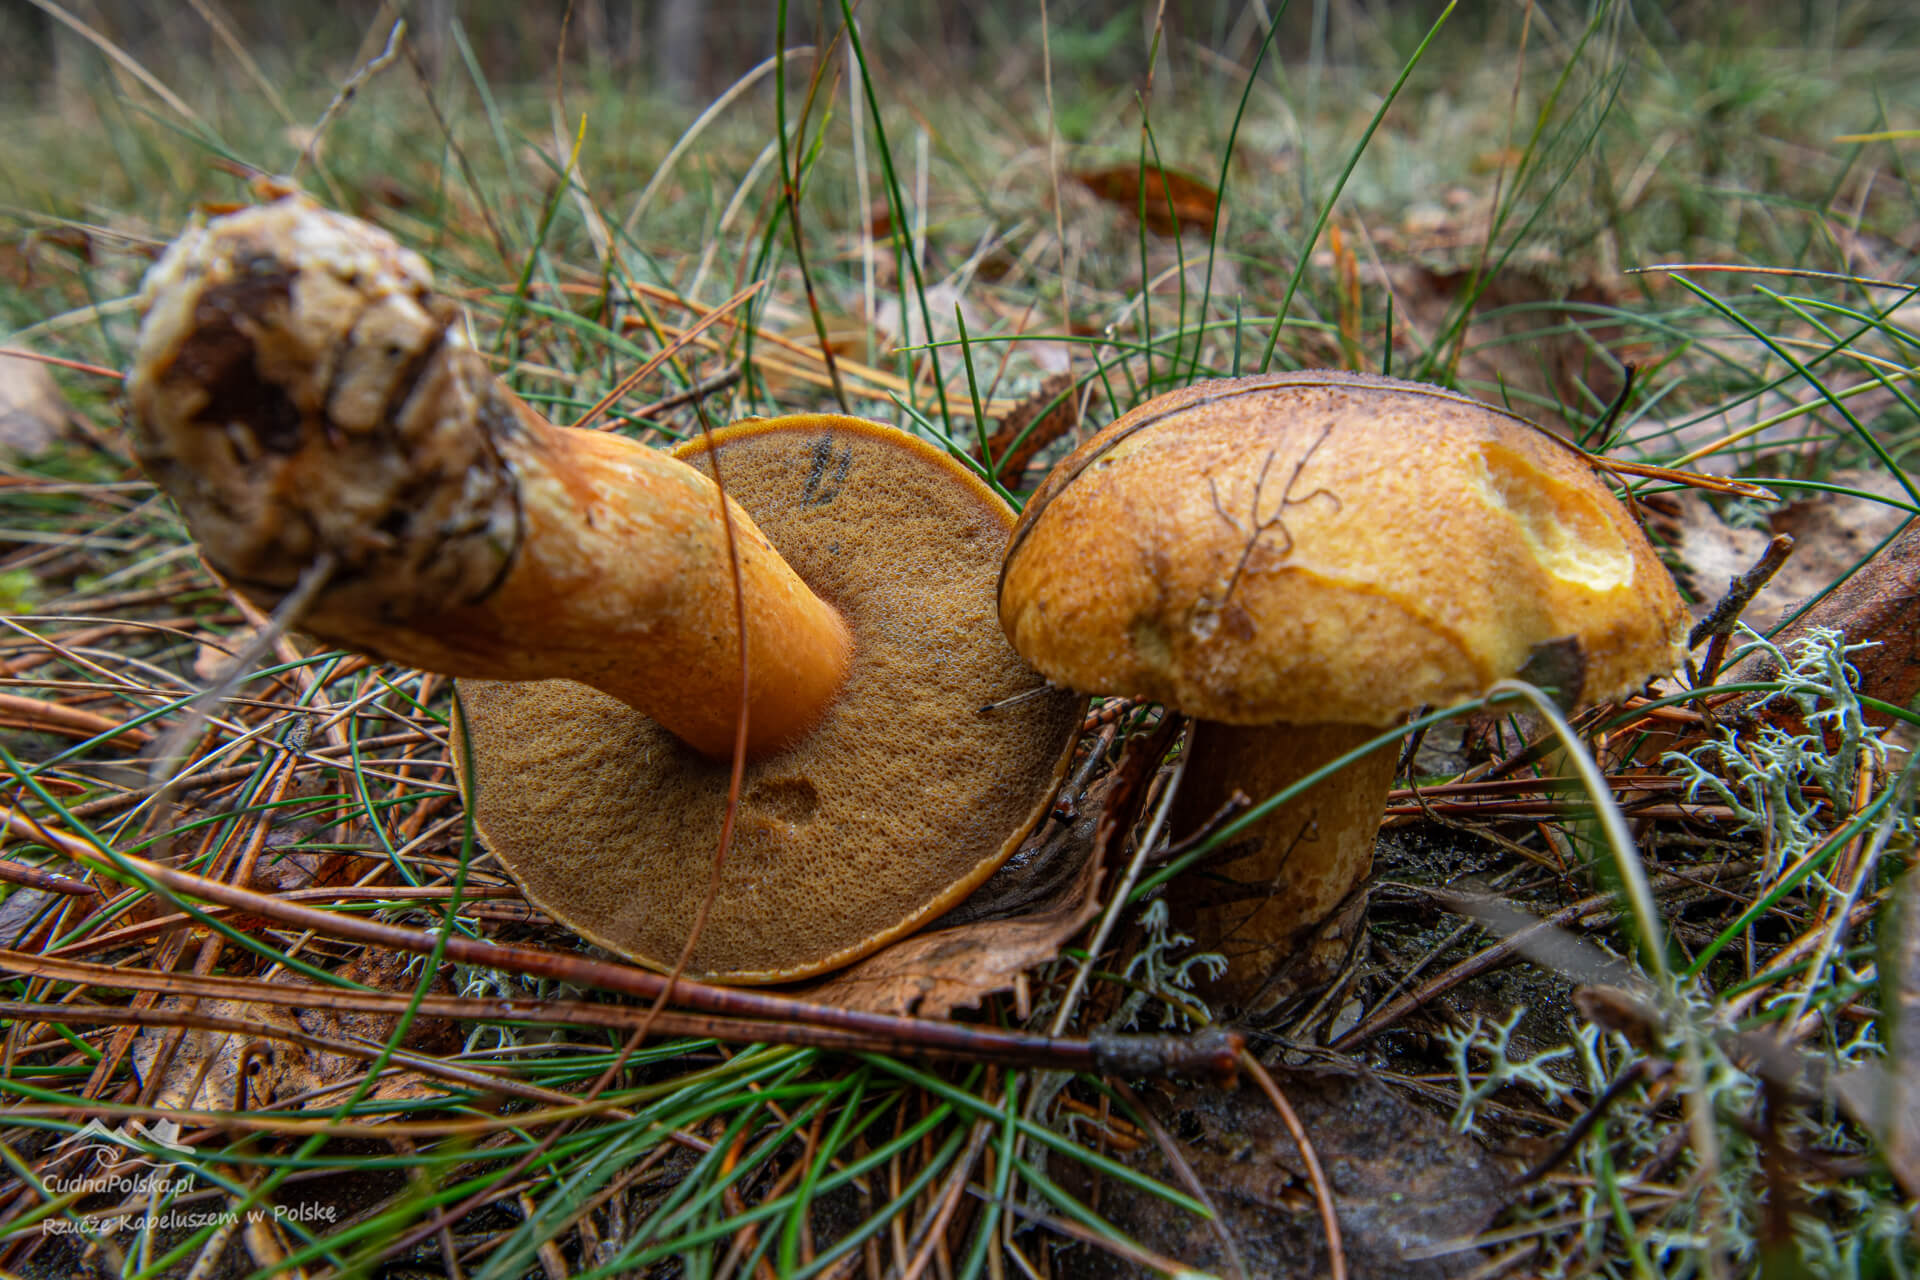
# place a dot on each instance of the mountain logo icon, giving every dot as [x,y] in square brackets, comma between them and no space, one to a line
[120,1146]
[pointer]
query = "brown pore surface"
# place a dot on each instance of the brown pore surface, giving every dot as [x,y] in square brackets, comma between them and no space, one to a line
[1328,547]
[902,800]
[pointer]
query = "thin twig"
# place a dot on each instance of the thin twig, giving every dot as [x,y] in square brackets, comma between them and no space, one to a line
[380,62]
[1718,625]
[775,1019]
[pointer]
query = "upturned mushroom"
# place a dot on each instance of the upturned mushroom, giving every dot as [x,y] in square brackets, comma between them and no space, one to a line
[1298,560]
[318,417]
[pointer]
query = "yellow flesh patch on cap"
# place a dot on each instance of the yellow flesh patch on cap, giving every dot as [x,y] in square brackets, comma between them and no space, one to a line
[1571,538]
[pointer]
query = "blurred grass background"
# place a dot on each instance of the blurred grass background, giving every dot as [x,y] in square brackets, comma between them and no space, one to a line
[1480,200]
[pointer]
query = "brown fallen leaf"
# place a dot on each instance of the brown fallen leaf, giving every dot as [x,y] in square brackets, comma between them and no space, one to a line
[1051,411]
[1044,872]
[1498,158]
[1881,603]
[931,974]
[1530,325]
[1834,530]
[1831,532]
[29,906]
[1403,1185]
[205,1067]
[383,971]
[282,866]
[279,1054]
[1173,202]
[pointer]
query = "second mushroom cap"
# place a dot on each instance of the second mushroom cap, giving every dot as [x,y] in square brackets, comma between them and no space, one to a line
[1328,547]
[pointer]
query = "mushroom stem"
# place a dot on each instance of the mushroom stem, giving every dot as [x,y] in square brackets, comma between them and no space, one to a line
[298,390]
[1307,855]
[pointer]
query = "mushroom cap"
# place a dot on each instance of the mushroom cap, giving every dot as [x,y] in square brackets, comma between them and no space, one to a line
[1329,547]
[900,802]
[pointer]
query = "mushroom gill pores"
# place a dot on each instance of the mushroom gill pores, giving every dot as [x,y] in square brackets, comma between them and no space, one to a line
[312,408]
[1296,561]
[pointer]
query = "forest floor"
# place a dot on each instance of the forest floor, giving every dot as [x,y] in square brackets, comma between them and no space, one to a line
[1624,993]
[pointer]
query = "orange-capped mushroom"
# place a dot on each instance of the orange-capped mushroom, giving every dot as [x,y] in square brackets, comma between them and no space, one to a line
[306,401]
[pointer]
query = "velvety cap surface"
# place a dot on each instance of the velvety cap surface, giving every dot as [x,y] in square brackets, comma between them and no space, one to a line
[903,799]
[1329,547]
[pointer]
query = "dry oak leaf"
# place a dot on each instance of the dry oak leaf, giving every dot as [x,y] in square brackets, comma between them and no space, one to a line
[277,1054]
[1173,201]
